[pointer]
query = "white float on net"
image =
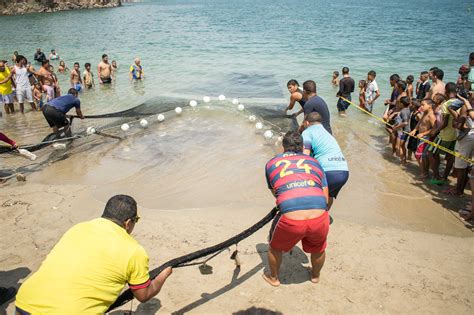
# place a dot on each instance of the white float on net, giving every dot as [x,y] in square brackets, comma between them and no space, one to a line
[252,118]
[125,127]
[206,99]
[144,123]
[235,101]
[178,110]
[259,125]
[221,97]
[268,134]
[241,107]
[160,117]
[193,103]
[90,130]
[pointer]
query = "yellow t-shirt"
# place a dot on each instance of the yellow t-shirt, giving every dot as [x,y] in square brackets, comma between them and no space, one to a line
[448,133]
[86,271]
[5,88]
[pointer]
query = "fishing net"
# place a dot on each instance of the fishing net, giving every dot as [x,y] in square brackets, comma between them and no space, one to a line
[108,125]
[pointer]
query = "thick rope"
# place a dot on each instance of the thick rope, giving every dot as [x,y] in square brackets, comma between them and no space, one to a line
[128,295]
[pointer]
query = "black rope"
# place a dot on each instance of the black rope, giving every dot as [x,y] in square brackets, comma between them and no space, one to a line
[180,261]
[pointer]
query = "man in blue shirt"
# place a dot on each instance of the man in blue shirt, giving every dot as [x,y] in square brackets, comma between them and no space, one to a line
[55,111]
[321,145]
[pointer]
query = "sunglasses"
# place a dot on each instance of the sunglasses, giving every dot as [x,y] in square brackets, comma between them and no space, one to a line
[135,219]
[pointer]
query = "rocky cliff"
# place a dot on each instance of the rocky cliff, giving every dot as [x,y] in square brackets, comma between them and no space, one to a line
[11,7]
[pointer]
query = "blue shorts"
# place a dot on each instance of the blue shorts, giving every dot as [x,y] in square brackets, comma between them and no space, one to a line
[78,86]
[342,105]
[336,179]
[402,136]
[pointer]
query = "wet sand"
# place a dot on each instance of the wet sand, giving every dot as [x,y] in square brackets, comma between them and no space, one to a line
[395,246]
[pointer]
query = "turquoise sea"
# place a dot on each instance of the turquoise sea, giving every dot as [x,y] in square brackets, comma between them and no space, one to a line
[248,48]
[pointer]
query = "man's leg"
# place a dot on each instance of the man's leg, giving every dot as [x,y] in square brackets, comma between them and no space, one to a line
[274,260]
[12,108]
[33,106]
[434,164]
[317,263]
[22,108]
[7,108]
[449,165]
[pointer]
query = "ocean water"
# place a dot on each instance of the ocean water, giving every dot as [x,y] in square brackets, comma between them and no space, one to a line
[249,50]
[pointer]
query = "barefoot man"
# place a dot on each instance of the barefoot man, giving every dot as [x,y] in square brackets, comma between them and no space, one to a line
[104,70]
[299,184]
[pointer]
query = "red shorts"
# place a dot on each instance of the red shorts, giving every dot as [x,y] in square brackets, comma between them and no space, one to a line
[312,233]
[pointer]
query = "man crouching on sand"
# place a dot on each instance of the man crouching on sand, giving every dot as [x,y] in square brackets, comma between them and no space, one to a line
[299,185]
[89,266]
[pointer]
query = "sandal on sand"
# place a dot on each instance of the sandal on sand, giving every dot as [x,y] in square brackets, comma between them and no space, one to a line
[438,182]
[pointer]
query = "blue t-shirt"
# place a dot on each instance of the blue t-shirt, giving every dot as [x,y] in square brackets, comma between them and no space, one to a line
[317,104]
[65,103]
[324,148]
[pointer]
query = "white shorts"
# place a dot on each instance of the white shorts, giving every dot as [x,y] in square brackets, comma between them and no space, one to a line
[7,99]
[465,147]
[23,94]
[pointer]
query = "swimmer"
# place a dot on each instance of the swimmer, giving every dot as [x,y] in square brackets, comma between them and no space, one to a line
[321,145]
[104,70]
[302,203]
[438,86]
[76,80]
[38,95]
[409,82]
[296,95]
[114,67]
[53,55]
[62,68]
[88,76]
[335,78]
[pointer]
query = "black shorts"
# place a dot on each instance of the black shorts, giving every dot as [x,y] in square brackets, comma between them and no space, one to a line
[342,105]
[336,179]
[54,117]
[107,80]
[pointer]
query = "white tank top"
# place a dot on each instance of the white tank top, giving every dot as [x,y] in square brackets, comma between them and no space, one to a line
[21,78]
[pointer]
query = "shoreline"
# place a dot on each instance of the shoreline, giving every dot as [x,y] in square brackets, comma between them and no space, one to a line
[15,8]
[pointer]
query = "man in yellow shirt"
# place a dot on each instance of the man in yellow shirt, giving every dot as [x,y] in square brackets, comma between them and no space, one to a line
[89,266]
[6,90]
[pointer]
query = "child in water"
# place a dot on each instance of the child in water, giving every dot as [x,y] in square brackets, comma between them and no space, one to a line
[88,76]
[38,95]
[335,78]
[114,67]
[362,86]
[62,67]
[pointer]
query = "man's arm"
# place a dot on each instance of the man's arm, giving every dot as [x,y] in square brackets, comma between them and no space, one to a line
[79,113]
[8,78]
[71,78]
[377,94]
[289,107]
[98,73]
[145,294]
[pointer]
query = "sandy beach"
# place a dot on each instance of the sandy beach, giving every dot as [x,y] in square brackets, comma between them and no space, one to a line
[393,248]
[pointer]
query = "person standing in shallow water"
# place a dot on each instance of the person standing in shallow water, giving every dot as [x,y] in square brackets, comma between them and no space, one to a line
[314,103]
[299,184]
[104,70]
[346,87]
[136,71]
[296,95]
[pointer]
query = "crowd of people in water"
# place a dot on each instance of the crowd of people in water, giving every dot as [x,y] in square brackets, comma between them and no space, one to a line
[427,119]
